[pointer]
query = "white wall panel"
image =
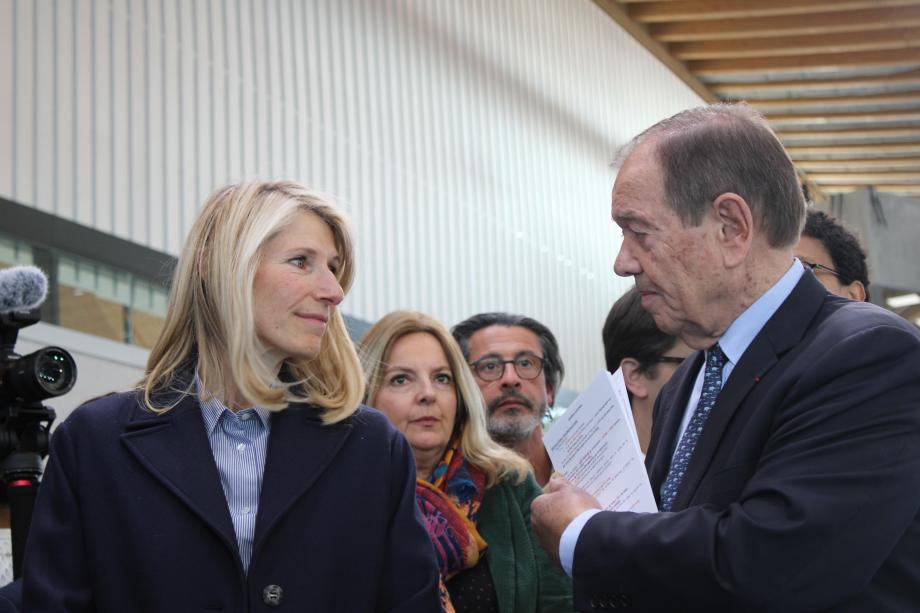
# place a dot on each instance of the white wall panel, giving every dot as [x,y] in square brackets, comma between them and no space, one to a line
[469,141]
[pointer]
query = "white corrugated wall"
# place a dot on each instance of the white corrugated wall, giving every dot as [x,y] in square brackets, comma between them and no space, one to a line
[469,140]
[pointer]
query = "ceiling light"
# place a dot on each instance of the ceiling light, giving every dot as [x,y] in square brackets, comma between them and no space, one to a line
[903,300]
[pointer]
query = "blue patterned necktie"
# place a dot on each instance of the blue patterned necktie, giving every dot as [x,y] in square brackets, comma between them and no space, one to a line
[712,384]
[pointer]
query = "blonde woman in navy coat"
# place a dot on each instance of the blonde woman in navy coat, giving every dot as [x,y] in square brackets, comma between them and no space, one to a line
[242,474]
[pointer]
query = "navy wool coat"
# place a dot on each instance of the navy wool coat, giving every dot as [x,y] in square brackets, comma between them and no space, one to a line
[131,516]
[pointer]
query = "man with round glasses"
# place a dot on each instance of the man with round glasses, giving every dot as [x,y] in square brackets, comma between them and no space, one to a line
[515,360]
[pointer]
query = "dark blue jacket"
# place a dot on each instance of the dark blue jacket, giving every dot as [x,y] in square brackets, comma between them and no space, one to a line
[131,516]
[803,493]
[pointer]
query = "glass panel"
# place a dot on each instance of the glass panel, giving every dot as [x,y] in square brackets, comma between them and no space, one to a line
[146,328]
[14,253]
[123,282]
[87,312]
[67,271]
[99,299]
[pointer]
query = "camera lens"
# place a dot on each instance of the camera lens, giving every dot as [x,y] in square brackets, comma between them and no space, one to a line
[54,370]
[42,374]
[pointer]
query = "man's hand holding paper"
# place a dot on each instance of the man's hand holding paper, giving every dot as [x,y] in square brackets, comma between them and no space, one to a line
[553,511]
[594,444]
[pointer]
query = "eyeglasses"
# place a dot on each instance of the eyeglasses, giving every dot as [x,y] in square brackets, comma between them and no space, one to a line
[815,267]
[491,368]
[670,359]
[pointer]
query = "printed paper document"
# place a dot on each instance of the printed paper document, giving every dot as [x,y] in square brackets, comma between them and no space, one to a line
[595,446]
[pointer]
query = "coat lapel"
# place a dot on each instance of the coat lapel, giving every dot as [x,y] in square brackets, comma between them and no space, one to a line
[174,448]
[782,332]
[300,449]
[496,528]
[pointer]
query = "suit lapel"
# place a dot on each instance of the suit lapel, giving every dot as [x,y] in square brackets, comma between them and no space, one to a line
[174,448]
[300,449]
[782,332]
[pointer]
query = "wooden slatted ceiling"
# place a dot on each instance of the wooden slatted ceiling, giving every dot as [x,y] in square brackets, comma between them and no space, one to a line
[838,79]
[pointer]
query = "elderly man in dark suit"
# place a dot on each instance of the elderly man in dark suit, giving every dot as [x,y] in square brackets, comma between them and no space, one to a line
[785,453]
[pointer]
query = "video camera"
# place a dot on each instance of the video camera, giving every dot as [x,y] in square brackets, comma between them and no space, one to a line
[25,381]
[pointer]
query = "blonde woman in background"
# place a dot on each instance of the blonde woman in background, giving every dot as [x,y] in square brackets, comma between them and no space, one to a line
[243,471]
[474,494]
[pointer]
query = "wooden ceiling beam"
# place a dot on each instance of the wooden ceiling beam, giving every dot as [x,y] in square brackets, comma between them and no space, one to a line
[810,63]
[850,133]
[891,189]
[795,45]
[618,13]
[869,178]
[837,101]
[910,147]
[908,78]
[856,165]
[791,25]
[710,40]
[690,10]
[830,118]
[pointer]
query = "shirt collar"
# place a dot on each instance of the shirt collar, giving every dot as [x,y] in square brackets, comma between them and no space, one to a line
[747,326]
[212,408]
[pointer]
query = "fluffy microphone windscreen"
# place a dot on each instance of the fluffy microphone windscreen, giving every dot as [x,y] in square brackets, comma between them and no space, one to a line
[22,288]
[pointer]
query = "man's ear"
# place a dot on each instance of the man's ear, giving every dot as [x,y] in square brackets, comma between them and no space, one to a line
[856,291]
[635,380]
[550,395]
[736,227]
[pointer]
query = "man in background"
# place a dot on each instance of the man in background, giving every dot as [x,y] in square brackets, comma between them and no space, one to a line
[834,255]
[516,362]
[647,356]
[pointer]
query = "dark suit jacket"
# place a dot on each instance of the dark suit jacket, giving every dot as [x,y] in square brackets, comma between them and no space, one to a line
[803,492]
[131,516]
[11,597]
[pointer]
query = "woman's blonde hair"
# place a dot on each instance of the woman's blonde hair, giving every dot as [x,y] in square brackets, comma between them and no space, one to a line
[210,325]
[497,462]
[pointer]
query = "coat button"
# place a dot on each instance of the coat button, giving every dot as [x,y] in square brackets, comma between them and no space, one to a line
[271,595]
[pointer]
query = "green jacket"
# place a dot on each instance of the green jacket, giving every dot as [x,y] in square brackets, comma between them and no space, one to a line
[525,579]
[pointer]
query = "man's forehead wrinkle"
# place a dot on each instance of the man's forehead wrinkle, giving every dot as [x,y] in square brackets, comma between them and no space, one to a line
[624,195]
[626,209]
[626,216]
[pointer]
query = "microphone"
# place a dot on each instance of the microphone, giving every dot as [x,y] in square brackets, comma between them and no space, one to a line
[22,288]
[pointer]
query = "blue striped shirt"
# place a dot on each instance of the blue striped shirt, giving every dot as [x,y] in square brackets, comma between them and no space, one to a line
[238,442]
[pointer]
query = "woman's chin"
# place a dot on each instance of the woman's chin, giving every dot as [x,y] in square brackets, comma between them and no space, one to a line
[428,444]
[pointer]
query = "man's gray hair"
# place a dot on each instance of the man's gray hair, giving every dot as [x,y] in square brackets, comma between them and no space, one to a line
[711,150]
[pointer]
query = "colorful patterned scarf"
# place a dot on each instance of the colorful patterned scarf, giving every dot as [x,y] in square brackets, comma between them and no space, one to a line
[449,505]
